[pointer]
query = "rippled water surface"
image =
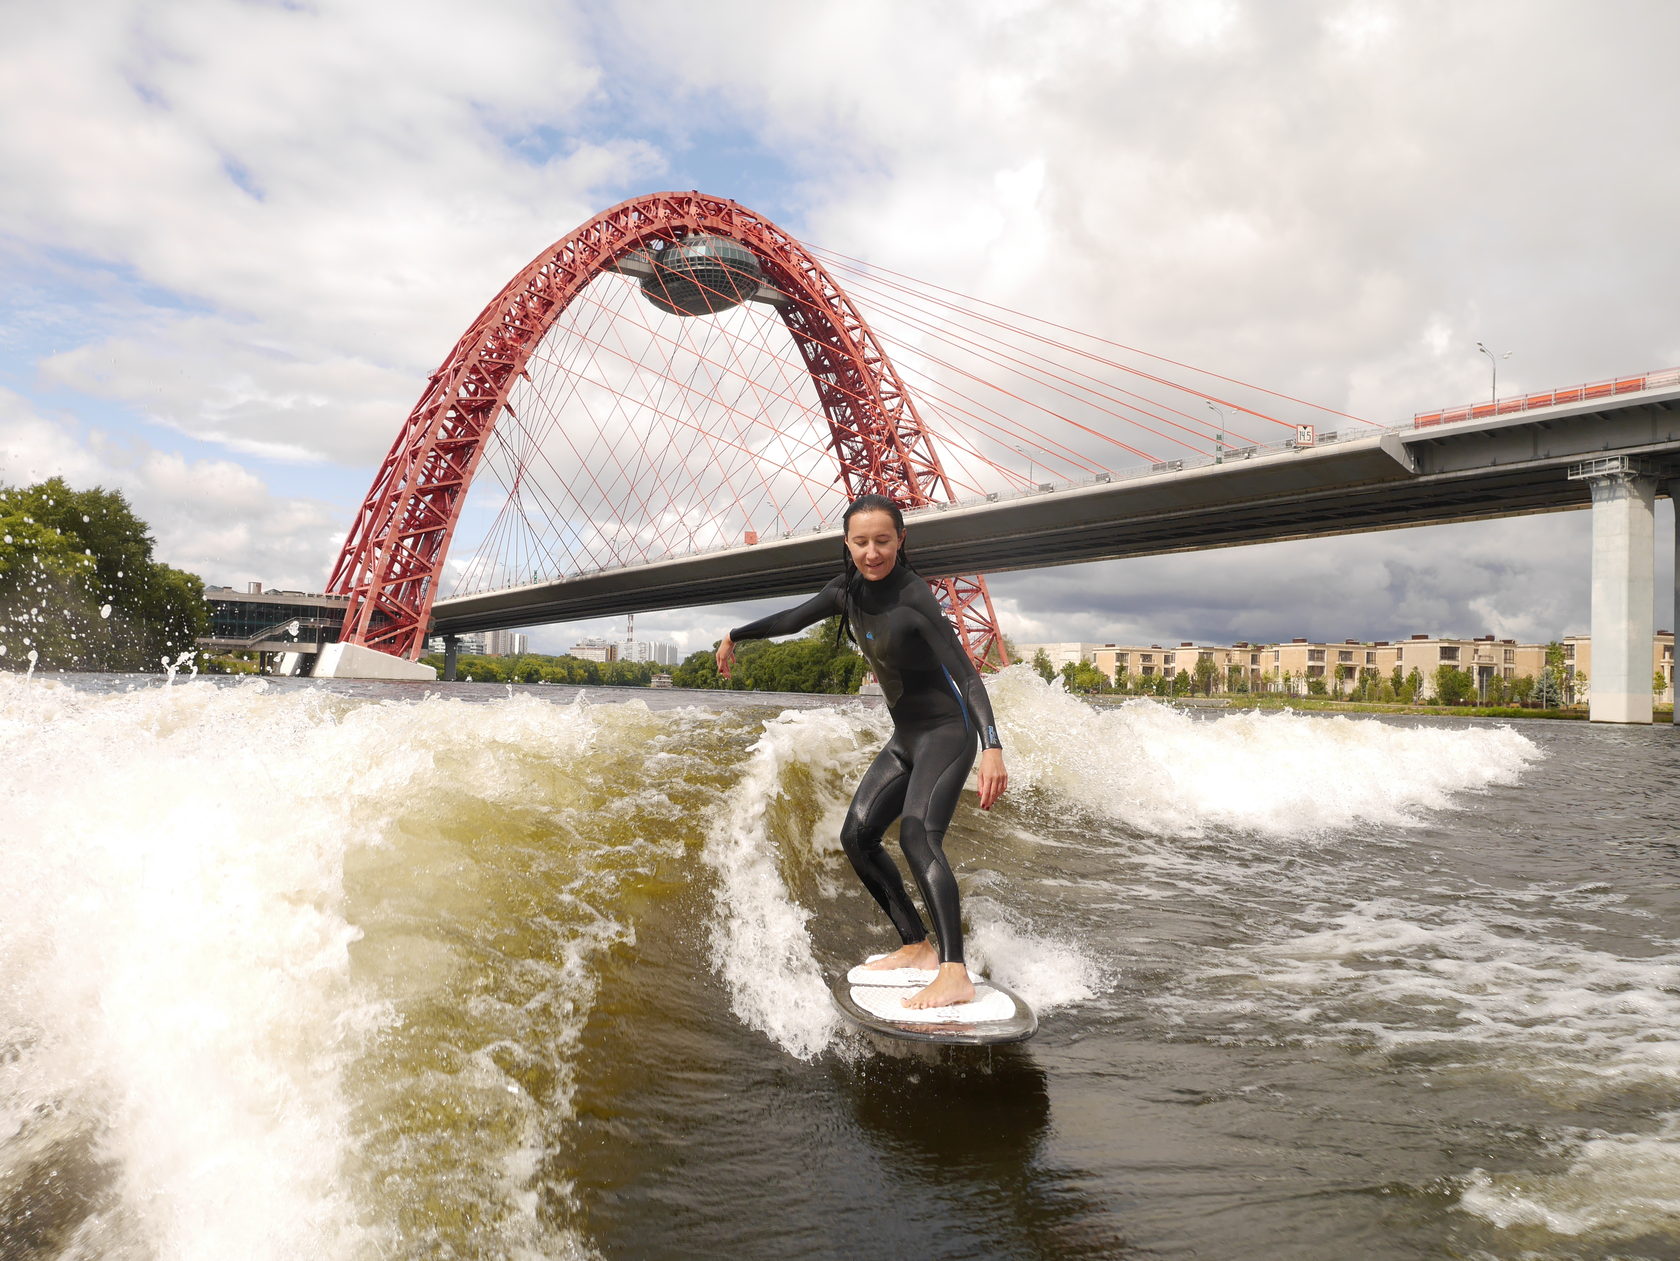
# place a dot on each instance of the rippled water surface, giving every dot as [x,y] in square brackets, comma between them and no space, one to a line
[374,971]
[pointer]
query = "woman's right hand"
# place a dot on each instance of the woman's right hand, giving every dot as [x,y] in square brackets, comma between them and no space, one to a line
[726,655]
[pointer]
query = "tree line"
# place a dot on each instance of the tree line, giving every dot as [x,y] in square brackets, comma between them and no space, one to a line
[811,663]
[79,588]
[534,667]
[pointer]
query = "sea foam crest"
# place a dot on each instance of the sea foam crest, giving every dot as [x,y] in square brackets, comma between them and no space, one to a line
[760,944]
[1163,770]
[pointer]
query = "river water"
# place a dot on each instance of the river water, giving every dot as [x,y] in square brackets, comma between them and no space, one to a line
[295,970]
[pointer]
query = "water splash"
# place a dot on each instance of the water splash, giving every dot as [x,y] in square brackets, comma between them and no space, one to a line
[1170,773]
[1621,1186]
[760,945]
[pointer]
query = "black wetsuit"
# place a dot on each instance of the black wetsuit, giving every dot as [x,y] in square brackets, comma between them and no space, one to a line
[939,710]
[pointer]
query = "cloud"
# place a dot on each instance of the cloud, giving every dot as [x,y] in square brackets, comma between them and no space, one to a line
[211,517]
[332,189]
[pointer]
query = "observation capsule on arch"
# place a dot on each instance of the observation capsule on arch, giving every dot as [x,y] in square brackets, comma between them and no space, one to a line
[702,275]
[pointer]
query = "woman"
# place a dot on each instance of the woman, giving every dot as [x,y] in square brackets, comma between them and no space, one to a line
[939,710]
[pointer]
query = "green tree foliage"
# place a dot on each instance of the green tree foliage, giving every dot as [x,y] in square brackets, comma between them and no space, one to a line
[79,587]
[539,668]
[1041,664]
[810,663]
[1452,685]
[1205,674]
[1083,676]
[1414,686]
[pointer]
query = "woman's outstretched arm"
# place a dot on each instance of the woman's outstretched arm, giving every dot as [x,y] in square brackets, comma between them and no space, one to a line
[826,603]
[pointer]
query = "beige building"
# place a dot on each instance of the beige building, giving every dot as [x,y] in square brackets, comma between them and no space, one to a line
[1577,663]
[1291,667]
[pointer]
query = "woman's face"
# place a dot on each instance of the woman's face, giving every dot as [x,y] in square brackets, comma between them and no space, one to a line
[874,541]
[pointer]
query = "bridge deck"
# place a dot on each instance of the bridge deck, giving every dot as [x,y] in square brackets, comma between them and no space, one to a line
[1479,468]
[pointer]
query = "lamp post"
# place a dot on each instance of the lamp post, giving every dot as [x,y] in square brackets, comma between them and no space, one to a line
[1031,467]
[1219,437]
[1494,360]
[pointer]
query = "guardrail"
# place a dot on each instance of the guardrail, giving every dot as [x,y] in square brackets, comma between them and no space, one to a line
[1549,398]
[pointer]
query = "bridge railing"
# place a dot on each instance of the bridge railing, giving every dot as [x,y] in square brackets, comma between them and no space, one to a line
[1550,398]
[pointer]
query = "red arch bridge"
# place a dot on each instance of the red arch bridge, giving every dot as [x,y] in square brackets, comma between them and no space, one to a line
[671,404]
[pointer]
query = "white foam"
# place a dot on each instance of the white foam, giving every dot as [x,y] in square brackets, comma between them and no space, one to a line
[178,948]
[1616,1187]
[760,944]
[1512,1001]
[1045,972]
[1162,770]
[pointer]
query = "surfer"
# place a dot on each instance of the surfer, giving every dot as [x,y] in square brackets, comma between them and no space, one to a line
[940,712]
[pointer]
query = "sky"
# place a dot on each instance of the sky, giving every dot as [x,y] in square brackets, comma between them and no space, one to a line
[236,236]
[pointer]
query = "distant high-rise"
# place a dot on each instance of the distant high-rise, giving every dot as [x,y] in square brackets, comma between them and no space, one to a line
[632,649]
[505,643]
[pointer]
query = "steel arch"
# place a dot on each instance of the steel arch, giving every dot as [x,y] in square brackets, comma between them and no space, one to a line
[397,544]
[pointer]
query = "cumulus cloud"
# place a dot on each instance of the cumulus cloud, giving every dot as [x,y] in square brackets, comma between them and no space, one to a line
[211,517]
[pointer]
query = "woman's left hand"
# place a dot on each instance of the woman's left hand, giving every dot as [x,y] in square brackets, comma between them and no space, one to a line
[993,778]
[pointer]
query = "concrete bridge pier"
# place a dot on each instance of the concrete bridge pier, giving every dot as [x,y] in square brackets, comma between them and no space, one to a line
[1623,591]
[451,656]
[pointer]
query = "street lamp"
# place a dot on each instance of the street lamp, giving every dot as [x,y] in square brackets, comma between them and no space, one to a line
[1219,437]
[1031,467]
[1494,360]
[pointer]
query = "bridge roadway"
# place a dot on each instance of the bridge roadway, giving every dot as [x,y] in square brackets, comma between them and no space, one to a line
[1466,471]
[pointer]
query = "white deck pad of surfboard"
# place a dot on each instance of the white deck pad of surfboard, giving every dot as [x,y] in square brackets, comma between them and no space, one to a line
[863,974]
[887,1002]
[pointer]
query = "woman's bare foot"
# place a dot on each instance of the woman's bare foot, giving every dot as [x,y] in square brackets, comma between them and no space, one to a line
[920,954]
[949,988]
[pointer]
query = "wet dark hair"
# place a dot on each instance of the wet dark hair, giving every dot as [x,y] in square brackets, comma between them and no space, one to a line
[864,503]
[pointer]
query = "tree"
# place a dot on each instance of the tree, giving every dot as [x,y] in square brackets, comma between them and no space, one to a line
[1414,685]
[1452,685]
[1659,683]
[79,587]
[1343,669]
[1206,673]
[1041,663]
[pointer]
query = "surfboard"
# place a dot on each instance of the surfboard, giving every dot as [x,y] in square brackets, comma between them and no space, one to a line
[874,1001]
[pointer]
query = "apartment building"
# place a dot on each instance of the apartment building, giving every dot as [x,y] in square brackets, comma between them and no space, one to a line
[1577,661]
[1291,666]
